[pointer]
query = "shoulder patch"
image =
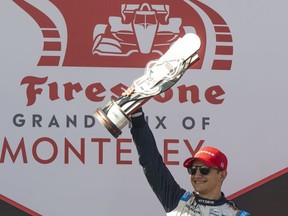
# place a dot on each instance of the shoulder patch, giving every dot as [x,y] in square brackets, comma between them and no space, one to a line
[243,213]
[186,196]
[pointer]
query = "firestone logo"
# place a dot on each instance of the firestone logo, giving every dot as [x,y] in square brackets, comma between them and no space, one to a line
[112,35]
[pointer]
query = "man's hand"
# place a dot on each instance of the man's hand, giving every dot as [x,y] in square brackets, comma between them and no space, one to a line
[128,92]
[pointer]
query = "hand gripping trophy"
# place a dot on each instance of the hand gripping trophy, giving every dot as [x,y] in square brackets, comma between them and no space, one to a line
[160,75]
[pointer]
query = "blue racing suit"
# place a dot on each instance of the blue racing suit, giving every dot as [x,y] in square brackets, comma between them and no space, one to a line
[175,200]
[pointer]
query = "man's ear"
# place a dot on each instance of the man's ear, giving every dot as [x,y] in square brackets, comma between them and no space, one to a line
[223,175]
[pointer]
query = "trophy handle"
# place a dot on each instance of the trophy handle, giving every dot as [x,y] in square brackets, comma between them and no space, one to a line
[163,73]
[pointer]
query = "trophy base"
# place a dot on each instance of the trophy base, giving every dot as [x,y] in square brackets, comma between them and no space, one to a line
[112,118]
[109,125]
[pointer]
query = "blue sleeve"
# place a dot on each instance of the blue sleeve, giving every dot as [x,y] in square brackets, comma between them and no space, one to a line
[159,177]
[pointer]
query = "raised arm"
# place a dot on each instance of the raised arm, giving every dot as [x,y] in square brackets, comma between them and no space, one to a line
[159,177]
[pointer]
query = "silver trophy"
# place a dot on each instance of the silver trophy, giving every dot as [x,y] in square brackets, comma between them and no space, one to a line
[160,75]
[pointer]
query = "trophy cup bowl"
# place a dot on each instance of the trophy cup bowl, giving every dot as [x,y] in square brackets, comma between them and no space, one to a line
[159,75]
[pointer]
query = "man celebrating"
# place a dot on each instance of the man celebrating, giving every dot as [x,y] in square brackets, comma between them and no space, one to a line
[207,169]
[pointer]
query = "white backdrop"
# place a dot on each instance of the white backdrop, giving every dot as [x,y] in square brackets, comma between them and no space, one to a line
[250,126]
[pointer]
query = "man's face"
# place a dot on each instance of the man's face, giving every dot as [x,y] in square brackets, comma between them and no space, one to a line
[208,186]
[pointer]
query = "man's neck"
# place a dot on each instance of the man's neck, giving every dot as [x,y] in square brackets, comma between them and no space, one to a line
[211,196]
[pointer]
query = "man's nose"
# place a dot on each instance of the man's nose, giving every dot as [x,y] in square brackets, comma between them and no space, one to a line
[198,173]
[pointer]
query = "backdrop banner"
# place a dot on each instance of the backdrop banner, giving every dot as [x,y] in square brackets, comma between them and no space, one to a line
[60,60]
